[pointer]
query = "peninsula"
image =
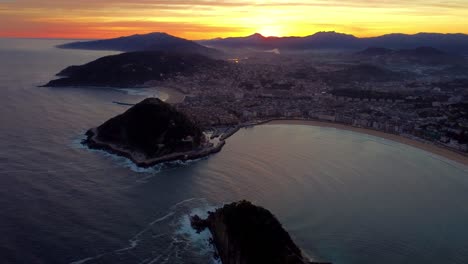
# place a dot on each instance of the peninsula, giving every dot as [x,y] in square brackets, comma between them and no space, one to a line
[152,132]
[156,41]
[134,69]
[249,234]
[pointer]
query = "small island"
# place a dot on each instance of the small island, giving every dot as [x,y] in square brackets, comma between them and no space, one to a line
[152,132]
[249,234]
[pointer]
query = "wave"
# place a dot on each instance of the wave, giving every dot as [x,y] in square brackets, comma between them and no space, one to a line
[127,163]
[167,239]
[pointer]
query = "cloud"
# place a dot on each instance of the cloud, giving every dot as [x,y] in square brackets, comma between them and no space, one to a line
[206,18]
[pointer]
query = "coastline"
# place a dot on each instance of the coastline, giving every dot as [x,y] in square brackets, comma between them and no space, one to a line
[137,158]
[140,160]
[429,147]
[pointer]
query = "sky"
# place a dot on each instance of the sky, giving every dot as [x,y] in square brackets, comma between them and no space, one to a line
[204,19]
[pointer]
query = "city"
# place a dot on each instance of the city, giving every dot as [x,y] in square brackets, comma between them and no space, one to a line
[430,106]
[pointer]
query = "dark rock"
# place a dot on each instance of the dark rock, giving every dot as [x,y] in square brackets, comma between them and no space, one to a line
[198,224]
[150,129]
[136,68]
[249,234]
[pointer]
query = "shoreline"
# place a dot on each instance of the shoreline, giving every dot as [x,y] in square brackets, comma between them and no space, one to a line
[93,143]
[429,147]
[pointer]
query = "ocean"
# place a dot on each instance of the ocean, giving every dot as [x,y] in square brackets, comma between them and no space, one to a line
[344,197]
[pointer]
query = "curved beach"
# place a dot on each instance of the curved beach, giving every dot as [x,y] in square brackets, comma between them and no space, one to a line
[140,160]
[429,147]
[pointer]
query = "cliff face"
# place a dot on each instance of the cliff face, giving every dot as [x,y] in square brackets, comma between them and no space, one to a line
[151,127]
[247,234]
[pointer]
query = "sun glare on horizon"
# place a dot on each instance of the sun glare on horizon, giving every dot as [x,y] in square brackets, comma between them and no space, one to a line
[270,31]
[201,19]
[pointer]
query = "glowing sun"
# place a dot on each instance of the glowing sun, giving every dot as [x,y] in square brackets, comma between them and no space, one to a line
[270,31]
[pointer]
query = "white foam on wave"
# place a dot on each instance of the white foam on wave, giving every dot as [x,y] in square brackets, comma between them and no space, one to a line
[166,239]
[127,163]
[119,160]
[200,241]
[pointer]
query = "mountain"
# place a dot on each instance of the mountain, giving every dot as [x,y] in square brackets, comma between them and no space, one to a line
[320,40]
[453,43]
[151,41]
[136,68]
[255,40]
[151,128]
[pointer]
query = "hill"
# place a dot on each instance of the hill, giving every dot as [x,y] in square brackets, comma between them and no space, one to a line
[135,68]
[320,40]
[148,42]
[453,43]
[249,234]
[149,133]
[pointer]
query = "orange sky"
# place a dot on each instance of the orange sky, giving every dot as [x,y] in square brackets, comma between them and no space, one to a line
[202,19]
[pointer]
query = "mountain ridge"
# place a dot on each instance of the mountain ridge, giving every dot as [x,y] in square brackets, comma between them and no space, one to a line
[155,41]
[448,42]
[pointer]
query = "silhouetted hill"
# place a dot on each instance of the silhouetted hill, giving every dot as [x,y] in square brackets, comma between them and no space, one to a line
[249,234]
[320,40]
[151,41]
[151,127]
[252,41]
[454,43]
[135,68]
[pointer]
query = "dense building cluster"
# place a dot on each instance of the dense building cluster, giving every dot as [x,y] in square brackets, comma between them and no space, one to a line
[425,102]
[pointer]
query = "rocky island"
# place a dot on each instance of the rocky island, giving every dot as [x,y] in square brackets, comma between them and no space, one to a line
[248,234]
[152,132]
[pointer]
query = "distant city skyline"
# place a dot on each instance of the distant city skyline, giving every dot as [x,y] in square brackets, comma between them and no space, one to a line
[205,19]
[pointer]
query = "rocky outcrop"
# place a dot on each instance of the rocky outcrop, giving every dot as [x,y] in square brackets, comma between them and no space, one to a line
[151,132]
[247,234]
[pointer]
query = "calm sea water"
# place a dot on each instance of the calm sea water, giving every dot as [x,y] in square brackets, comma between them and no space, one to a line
[344,197]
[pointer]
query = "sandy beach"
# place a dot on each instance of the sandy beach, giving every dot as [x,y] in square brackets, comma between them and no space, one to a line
[438,150]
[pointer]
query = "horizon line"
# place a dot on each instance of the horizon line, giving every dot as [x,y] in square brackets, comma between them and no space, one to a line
[243,36]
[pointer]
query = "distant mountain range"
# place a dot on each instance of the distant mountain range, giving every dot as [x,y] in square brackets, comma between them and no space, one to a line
[148,42]
[454,43]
